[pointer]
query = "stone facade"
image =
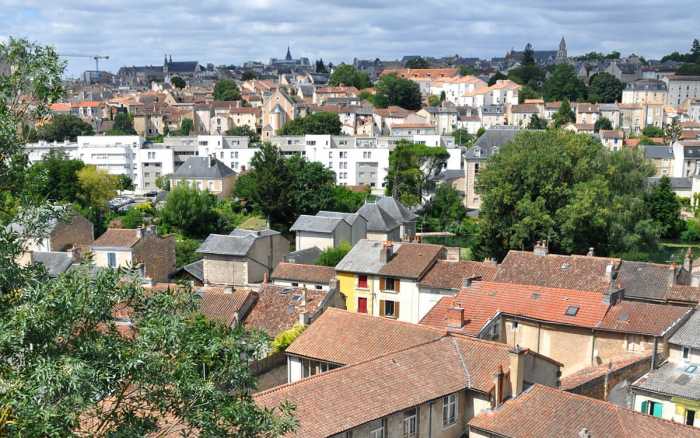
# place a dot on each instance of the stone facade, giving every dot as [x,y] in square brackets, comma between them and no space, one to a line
[157,255]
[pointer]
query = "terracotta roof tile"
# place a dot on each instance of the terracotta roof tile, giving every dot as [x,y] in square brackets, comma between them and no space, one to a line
[412,260]
[585,375]
[422,73]
[688,294]
[643,318]
[278,308]
[223,307]
[450,275]
[303,273]
[117,238]
[547,412]
[344,337]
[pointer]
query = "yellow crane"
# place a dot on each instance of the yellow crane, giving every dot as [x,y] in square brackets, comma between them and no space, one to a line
[95,57]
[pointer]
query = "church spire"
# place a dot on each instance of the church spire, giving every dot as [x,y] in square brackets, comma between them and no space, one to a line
[289,55]
[561,53]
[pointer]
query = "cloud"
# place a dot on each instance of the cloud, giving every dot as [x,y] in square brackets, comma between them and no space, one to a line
[135,32]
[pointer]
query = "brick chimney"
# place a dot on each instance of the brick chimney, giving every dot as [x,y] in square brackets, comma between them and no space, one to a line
[387,252]
[591,252]
[541,248]
[455,316]
[498,387]
[516,373]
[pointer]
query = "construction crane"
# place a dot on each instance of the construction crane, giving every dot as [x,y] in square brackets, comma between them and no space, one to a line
[95,57]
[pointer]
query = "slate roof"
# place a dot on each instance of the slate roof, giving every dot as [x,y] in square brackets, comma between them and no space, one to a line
[450,275]
[412,260]
[350,218]
[316,224]
[344,338]
[496,137]
[658,152]
[182,66]
[688,334]
[306,256]
[203,168]
[237,243]
[677,183]
[303,273]
[117,238]
[676,379]
[396,209]
[56,263]
[278,308]
[378,219]
[346,397]
[645,280]
[541,411]
[554,270]
[450,174]
[195,269]
[363,257]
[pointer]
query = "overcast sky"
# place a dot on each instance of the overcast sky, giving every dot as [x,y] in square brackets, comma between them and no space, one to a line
[137,32]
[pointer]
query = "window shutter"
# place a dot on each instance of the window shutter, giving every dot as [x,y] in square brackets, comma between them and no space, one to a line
[382,283]
[381,307]
[645,407]
[397,286]
[396,309]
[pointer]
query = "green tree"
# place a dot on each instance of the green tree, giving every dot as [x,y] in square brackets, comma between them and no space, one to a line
[689,69]
[527,92]
[564,83]
[673,131]
[124,183]
[123,125]
[498,76]
[653,131]
[348,201]
[393,90]
[248,75]
[246,131]
[412,170]
[320,67]
[537,123]
[311,185]
[64,127]
[463,137]
[285,339]
[226,89]
[665,208]
[163,182]
[55,177]
[133,218]
[333,255]
[467,70]
[568,189]
[564,115]
[602,123]
[178,82]
[434,100]
[190,212]
[316,123]
[186,250]
[417,62]
[96,187]
[445,209]
[605,88]
[186,126]
[346,74]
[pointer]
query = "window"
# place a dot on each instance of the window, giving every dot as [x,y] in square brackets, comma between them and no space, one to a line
[686,352]
[389,284]
[295,284]
[389,309]
[410,423]
[112,260]
[362,305]
[449,410]
[571,310]
[652,408]
[376,429]
[362,281]
[689,417]
[151,155]
[318,287]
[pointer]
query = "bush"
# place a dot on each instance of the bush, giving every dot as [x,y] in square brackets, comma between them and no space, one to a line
[185,250]
[692,232]
[285,339]
[333,256]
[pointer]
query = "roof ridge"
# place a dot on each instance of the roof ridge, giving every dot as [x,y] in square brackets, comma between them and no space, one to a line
[390,321]
[467,376]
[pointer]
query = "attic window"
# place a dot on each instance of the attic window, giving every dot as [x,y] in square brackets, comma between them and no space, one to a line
[691,369]
[571,311]
[623,317]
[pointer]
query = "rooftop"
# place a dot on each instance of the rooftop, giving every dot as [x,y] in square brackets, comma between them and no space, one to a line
[688,334]
[203,168]
[316,224]
[237,243]
[303,273]
[681,379]
[278,308]
[117,238]
[378,219]
[450,275]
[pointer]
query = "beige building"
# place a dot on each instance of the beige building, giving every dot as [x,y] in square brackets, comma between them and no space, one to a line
[205,173]
[279,108]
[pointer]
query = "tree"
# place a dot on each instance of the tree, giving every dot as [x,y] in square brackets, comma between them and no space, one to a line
[248,75]
[123,125]
[348,75]
[64,127]
[226,89]
[434,100]
[133,218]
[186,126]
[348,201]
[333,255]
[55,178]
[244,131]
[463,137]
[417,62]
[311,185]
[567,189]
[316,123]
[285,339]
[186,250]
[190,212]
[467,70]
[412,170]
[673,131]
[695,49]
[653,131]
[564,84]
[602,123]
[537,123]
[124,183]
[528,55]
[393,90]
[527,92]
[498,76]
[564,115]
[665,208]
[97,187]
[163,182]
[445,209]
[605,88]
[178,82]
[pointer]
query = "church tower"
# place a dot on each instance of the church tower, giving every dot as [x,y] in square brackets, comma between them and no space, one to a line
[561,53]
[289,55]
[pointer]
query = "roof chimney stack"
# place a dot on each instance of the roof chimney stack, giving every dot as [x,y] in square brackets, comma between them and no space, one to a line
[517,370]
[541,248]
[591,252]
[387,252]
[455,316]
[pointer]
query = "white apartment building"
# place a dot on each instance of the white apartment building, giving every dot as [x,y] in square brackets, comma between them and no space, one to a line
[234,151]
[682,88]
[37,151]
[116,154]
[151,164]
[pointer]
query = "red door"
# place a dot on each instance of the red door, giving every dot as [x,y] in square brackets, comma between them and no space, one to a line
[362,305]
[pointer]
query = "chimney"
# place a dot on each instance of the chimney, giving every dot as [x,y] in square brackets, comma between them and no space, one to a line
[455,316]
[333,285]
[498,387]
[467,282]
[609,272]
[228,289]
[266,278]
[591,252]
[517,370]
[387,252]
[139,231]
[75,254]
[541,248]
[688,261]
[584,433]
[211,162]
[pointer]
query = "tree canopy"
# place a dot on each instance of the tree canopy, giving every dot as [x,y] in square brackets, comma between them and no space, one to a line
[602,123]
[64,127]
[498,76]
[564,115]
[665,208]
[333,255]
[226,89]
[189,211]
[605,88]
[417,62]
[316,123]
[568,189]
[412,168]
[246,131]
[178,82]
[346,74]
[393,90]
[564,83]
[123,125]
[55,177]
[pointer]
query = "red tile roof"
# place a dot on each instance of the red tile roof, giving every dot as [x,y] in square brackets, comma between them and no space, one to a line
[278,308]
[450,275]
[547,412]
[117,238]
[643,318]
[303,273]
[422,73]
[412,260]
[346,397]
[485,300]
[344,337]
[586,375]
[223,307]
[687,294]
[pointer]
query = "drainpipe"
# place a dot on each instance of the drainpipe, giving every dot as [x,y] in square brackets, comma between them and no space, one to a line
[653,354]
[430,419]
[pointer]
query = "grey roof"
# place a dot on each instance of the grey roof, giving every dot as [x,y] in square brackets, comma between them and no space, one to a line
[350,218]
[677,183]
[364,257]
[496,137]
[658,152]
[316,224]
[450,174]
[645,280]
[237,243]
[441,109]
[203,168]
[195,269]
[680,379]
[55,262]
[377,218]
[647,85]
[242,232]
[396,209]
[305,256]
[688,334]
[306,90]
[182,66]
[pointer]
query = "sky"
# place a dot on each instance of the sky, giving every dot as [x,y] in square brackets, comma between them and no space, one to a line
[140,32]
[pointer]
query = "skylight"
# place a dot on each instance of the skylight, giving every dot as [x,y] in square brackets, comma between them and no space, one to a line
[571,311]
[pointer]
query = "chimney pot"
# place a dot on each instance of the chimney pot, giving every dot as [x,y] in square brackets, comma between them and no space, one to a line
[455,317]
